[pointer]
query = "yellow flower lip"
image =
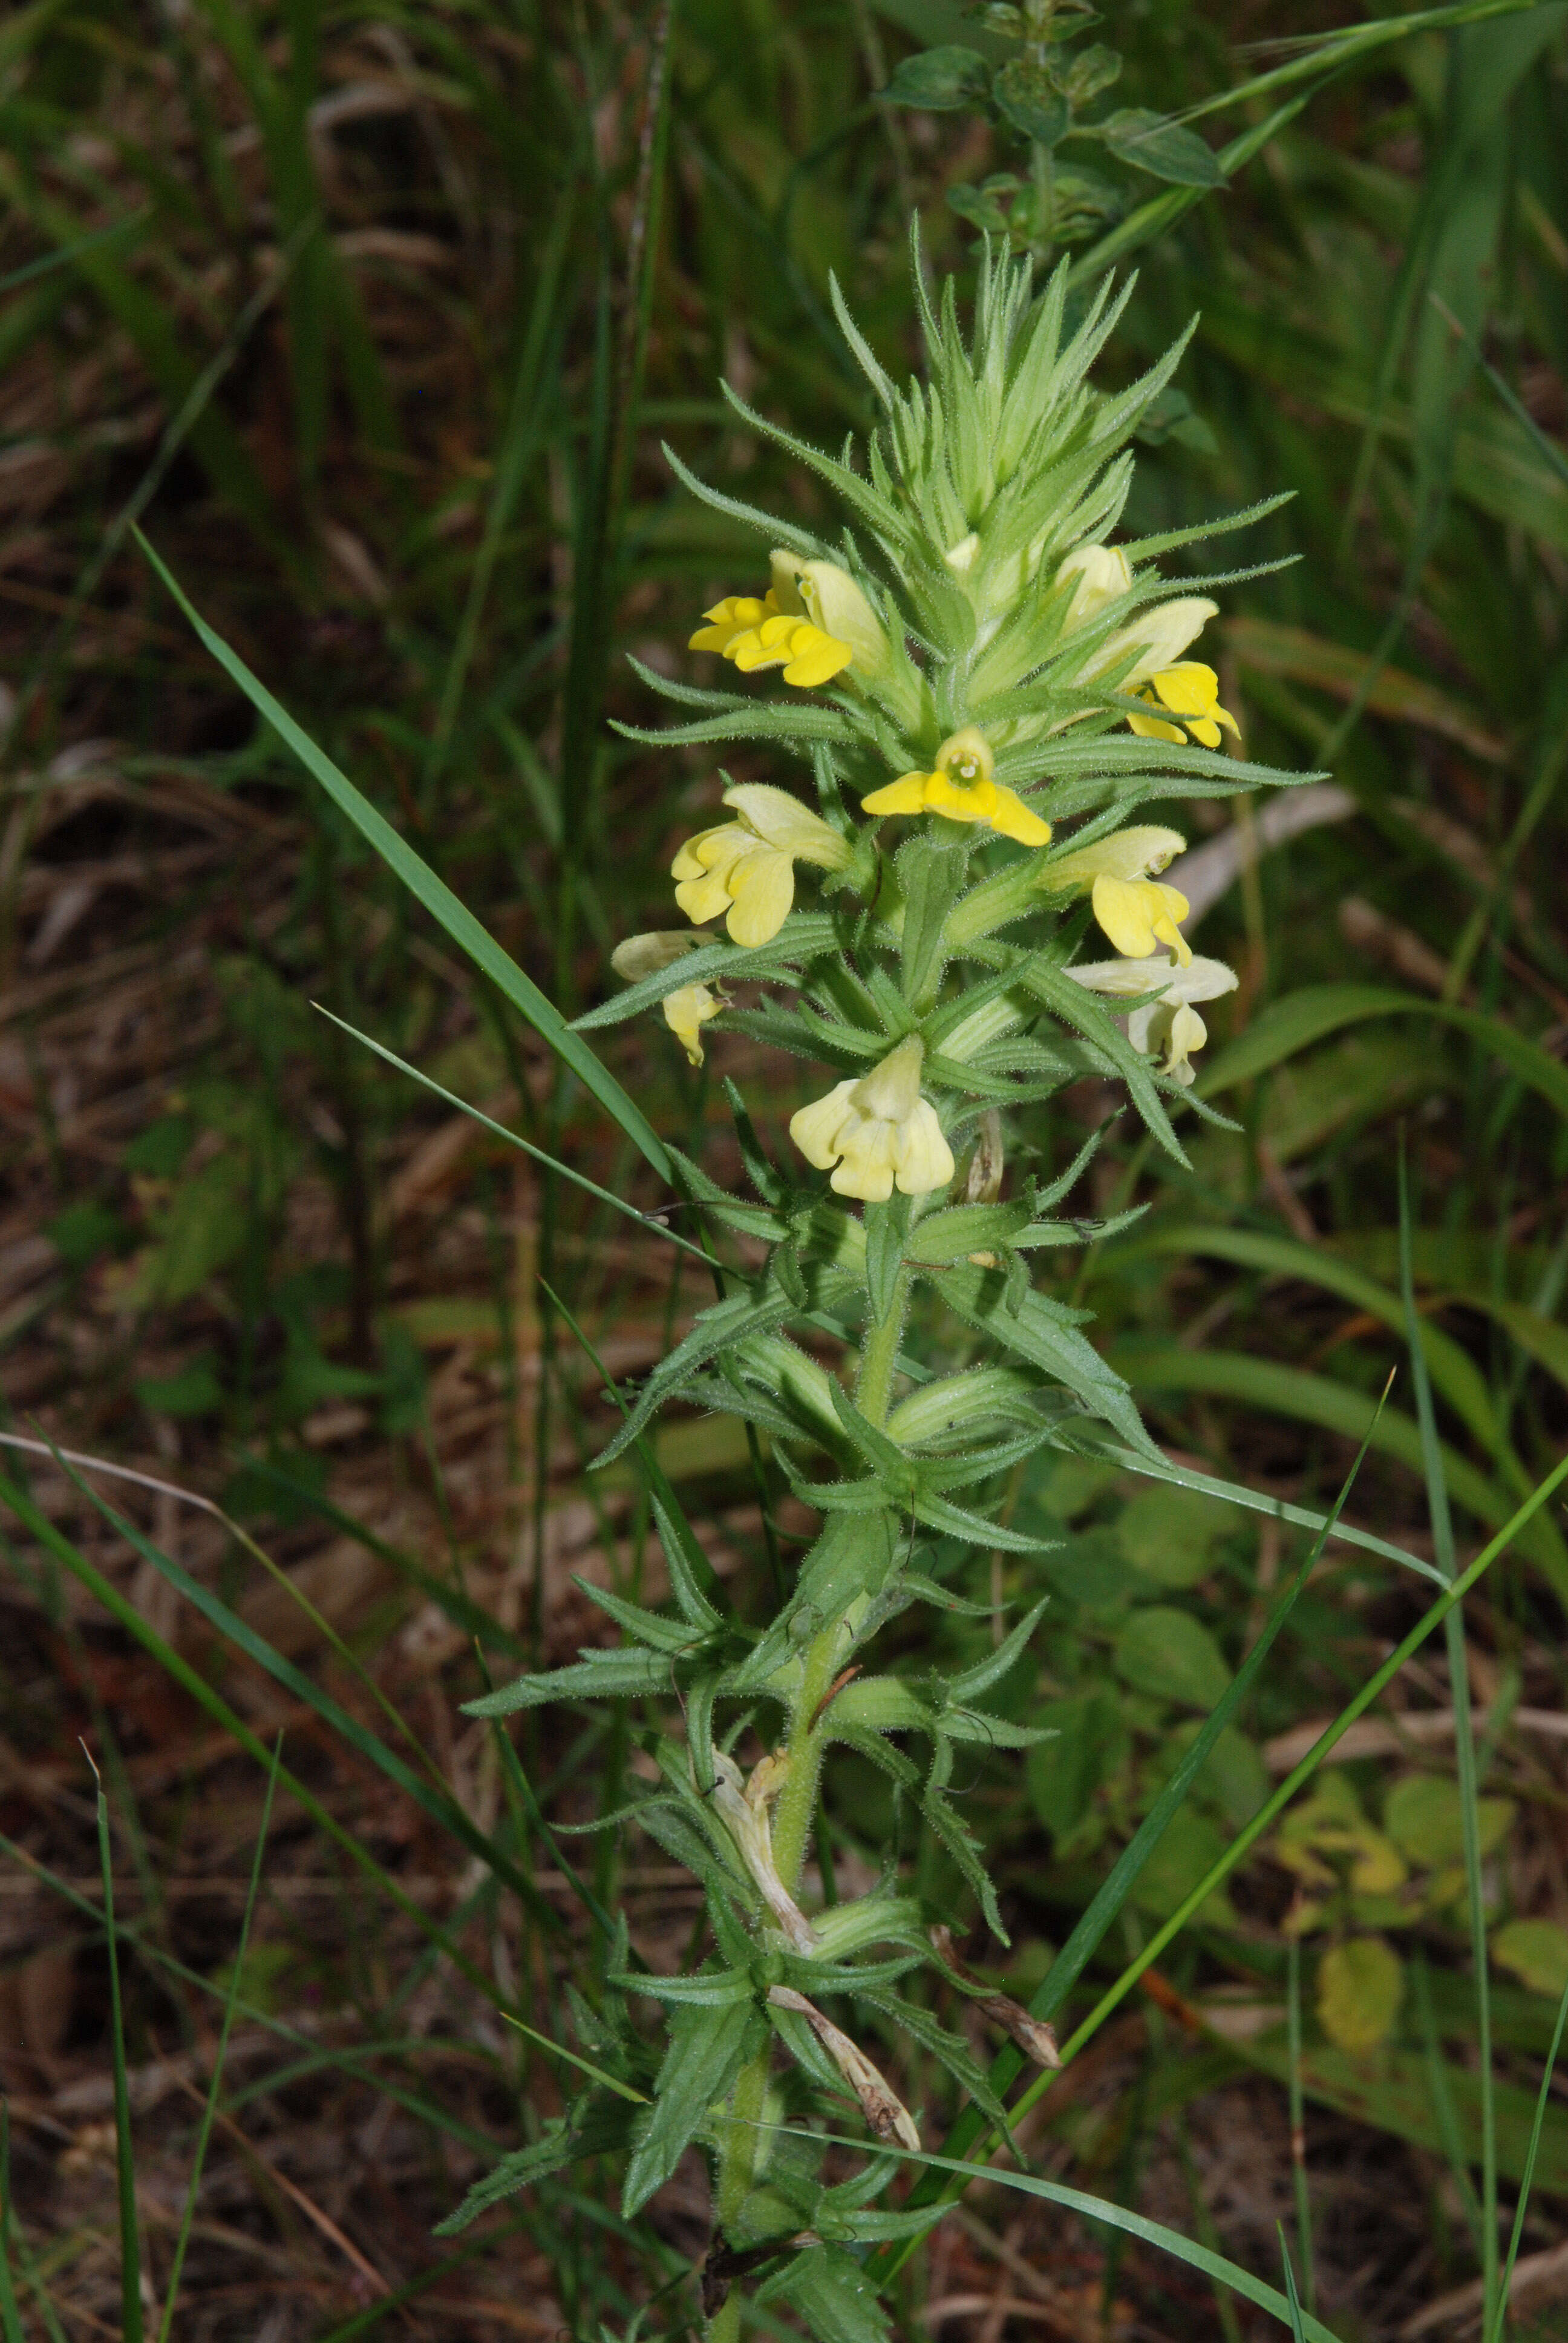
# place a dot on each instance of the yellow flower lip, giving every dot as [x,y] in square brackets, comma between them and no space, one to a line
[962,789]
[1190,692]
[755,632]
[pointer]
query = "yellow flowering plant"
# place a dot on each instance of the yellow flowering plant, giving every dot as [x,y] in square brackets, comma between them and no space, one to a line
[967,674]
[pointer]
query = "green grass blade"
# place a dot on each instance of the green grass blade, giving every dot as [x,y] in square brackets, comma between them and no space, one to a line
[125,2157]
[1300,1517]
[433,893]
[971,2125]
[1215,2266]
[1298,2128]
[1297,2329]
[1464,1749]
[586,2065]
[1493,2334]
[209,2112]
[1505,392]
[524,1146]
[1316,1010]
[63,256]
[10,2316]
[120,1608]
[433,1796]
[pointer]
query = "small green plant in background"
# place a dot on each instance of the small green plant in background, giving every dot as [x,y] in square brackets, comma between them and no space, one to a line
[1040,99]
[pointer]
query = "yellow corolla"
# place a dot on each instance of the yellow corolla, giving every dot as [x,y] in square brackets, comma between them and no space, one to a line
[962,789]
[1137,912]
[814,621]
[755,633]
[744,870]
[690,1007]
[871,1133]
[1190,693]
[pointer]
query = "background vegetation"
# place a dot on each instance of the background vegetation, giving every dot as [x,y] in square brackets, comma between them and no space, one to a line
[374,319]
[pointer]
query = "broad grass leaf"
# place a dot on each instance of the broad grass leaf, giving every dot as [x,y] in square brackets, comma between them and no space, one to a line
[1171,1655]
[1361,1985]
[1424,1816]
[1536,1952]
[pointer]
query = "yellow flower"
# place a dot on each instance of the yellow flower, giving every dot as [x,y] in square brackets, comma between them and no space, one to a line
[1171,1022]
[757,634]
[685,1011]
[744,869]
[1135,910]
[1191,693]
[962,789]
[879,1129]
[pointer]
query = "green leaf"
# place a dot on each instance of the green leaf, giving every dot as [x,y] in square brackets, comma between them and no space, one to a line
[605,1675]
[1036,1332]
[962,1229]
[887,1226]
[1169,1534]
[1171,1655]
[1031,101]
[1424,1816]
[1361,1985]
[829,2289]
[942,81]
[1536,1952]
[564,2140]
[1091,1745]
[433,893]
[1316,1010]
[1163,148]
[705,2054]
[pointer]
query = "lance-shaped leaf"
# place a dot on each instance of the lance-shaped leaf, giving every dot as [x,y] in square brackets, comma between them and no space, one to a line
[998,1663]
[708,1989]
[628,1674]
[599,2123]
[717,1328]
[707,2049]
[963,1229]
[875,1919]
[803,936]
[828,2288]
[1035,1332]
[660,1634]
[953,1835]
[951,2049]
[691,1600]
[879,1704]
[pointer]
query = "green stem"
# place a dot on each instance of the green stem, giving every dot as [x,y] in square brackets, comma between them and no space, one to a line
[878,1357]
[794,1813]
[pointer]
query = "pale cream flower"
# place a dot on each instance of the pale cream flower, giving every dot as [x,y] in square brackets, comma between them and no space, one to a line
[878,1130]
[687,1010]
[1171,1023]
[747,1808]
[1101,573]
[880,2105]
[1135,910]
[745,869]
